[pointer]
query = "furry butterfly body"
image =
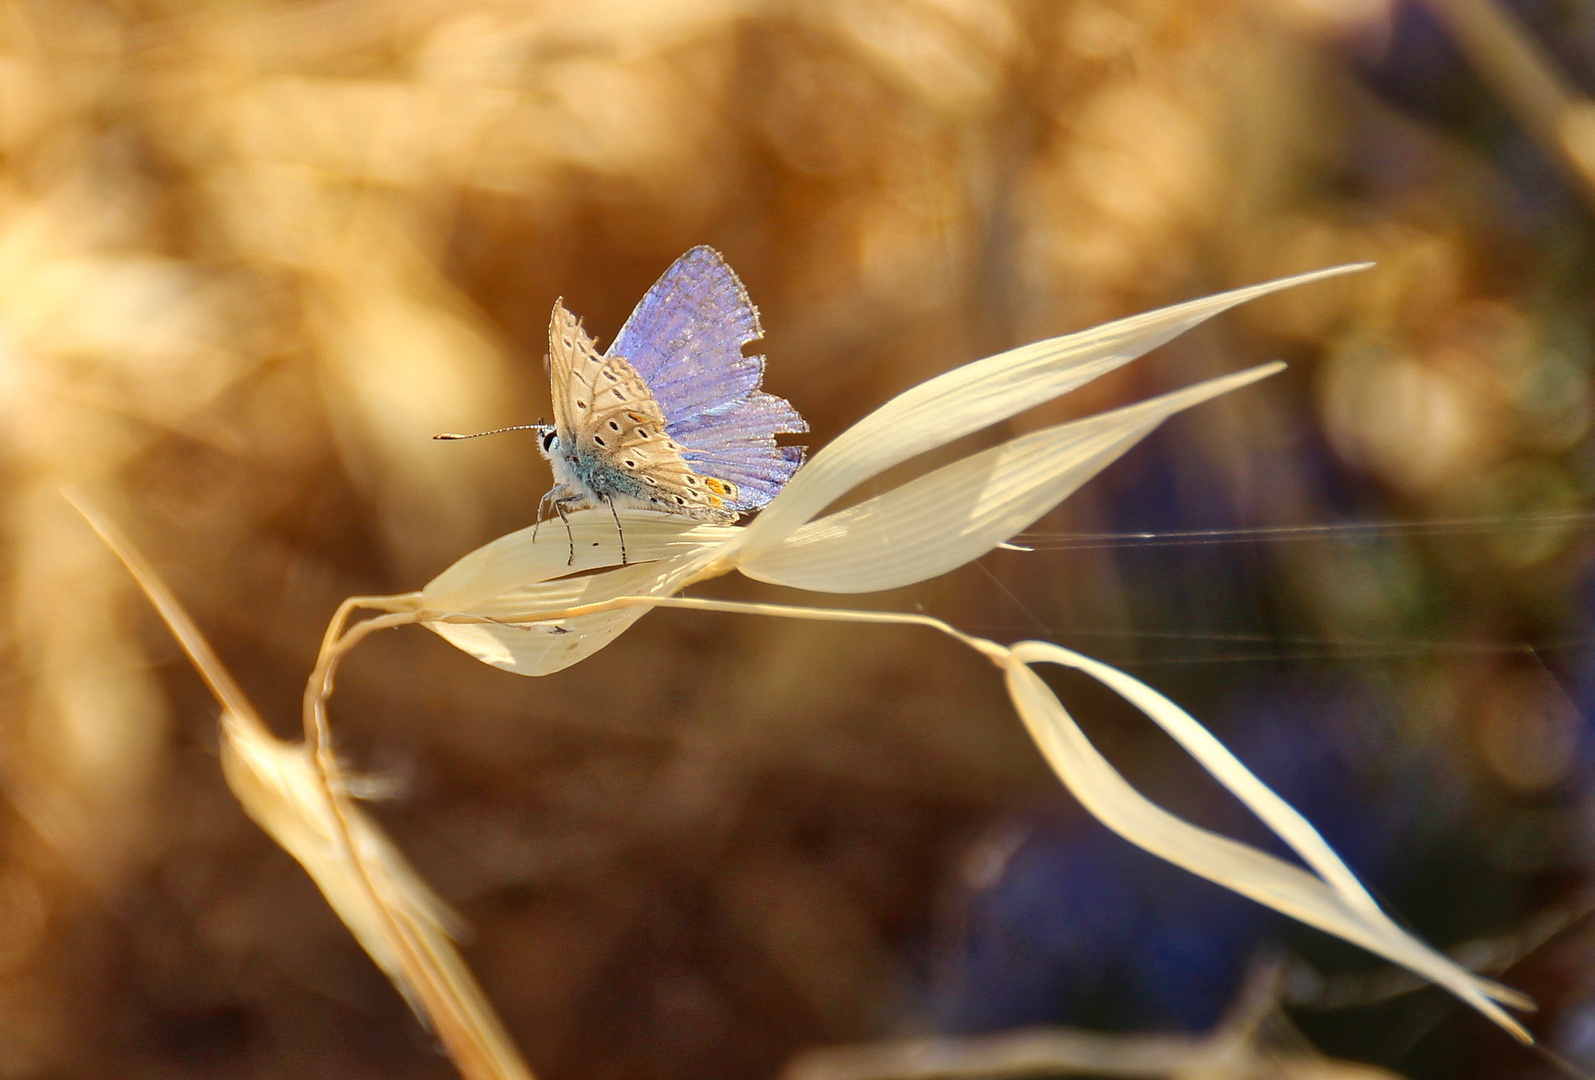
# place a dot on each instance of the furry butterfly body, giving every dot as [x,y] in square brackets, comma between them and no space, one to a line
[671,417]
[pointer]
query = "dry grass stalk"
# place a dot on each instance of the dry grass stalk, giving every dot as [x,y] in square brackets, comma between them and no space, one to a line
[1232,1051]
[300,797]
[514,604]
[1527,81]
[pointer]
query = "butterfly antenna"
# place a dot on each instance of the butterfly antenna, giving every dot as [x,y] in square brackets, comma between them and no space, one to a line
[496,431]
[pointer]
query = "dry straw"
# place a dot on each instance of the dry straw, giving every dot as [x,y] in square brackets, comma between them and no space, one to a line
[1238,1047]
[524,604]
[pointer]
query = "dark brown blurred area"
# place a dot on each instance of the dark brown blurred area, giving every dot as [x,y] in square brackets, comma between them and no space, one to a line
[254,253]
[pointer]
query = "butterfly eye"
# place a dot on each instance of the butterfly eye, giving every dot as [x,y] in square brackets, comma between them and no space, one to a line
[550,440]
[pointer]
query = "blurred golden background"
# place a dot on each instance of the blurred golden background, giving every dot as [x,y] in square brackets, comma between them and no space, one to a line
[254,253]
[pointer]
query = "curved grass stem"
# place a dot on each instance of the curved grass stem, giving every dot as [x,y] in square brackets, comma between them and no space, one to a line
[336,644]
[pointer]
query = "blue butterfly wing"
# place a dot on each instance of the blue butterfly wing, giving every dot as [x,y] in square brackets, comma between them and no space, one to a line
[685,339]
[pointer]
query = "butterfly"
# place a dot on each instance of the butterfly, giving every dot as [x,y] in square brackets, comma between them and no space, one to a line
[670,418]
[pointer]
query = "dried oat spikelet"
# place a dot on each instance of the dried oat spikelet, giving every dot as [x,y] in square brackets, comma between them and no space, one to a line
[511,604]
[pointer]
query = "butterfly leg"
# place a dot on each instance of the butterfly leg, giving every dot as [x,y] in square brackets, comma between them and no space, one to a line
[542,511]
[616,514]
[570,537]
